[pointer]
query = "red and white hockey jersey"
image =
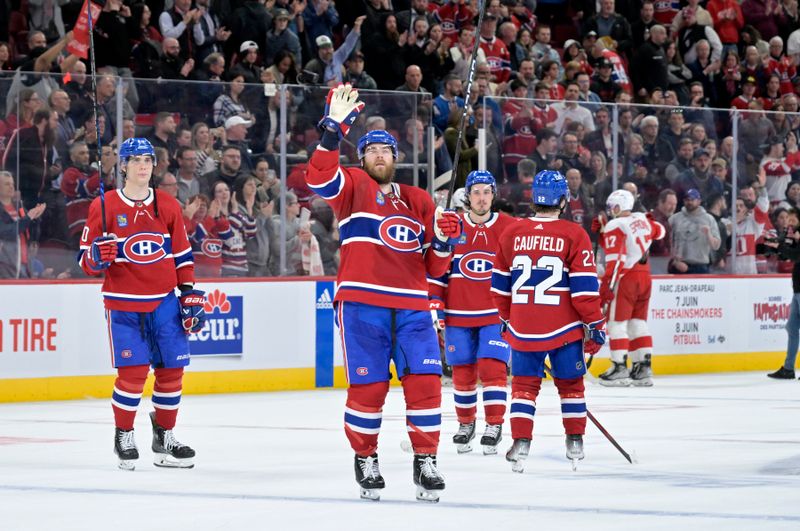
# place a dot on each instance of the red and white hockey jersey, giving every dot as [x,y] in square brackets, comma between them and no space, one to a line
[779,173]
[544,283]
[626,240]
[465,287]
[748,231]
[453,16]
[385,237]
[498,57]
[154,255]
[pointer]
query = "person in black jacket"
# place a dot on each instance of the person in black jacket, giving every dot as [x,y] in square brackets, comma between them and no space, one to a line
[649,68]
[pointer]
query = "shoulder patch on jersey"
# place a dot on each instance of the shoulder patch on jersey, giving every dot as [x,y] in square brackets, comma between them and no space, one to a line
[122,220]
[401,233]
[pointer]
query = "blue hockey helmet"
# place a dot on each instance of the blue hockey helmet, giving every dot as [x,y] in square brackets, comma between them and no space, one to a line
[548,188]
[134,147]
[377,136]
[480,177]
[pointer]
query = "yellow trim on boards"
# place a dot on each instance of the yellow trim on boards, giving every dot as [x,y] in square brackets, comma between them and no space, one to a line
[80,387]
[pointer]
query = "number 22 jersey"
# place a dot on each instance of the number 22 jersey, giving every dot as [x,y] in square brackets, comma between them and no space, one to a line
[544,283]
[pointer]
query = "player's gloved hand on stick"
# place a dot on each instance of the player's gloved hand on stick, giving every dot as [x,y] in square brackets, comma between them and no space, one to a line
[606,293]
[341,109]
[103,251]
[193,315]
[598,222]
[447,228]
[437,313]
[595,337]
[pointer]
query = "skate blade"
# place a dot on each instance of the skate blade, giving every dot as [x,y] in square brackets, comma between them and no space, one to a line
[167,461]
[464,448]
[127,464]
[370,494]
[622,382]
[518,466]
[489,450]
[644,382]
[429,496]
[574,463]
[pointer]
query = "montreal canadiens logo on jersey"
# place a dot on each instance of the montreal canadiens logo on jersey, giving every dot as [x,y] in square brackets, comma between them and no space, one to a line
[476,265]
[401,234]
[144,248]
[211,248]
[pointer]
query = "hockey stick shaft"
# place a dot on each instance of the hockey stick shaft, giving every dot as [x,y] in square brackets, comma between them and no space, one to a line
[597,424]
[96,119]
[465,112]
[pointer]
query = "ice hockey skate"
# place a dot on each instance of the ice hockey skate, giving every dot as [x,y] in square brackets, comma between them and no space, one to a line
[368,477]
[575,449]
[491,438]
[642,373]
[617,375]
[168,452]
[427,478]
[463,437]
[125,448]
[518,453]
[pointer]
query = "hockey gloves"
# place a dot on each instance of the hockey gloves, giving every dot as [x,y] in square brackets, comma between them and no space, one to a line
[598,223]
[103,252]
[606,293]
[437,313]
[595,337]
[193,315]
[341,109]
[447,228]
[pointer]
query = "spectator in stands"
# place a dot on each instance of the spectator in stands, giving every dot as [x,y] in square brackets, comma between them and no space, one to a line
[792,196]
[607,23]
[602,139]
[694,236]
[698,178]
[284,69]
[579,208]
[295,236]
[544,156]
[649,67]
[497,54]
[208,32]
[17,230]
[728,22]
[386,42]
[164,128]
[229,170]
[678,74]
[640,29]
[586,98]
[570,111]
[570,157]
[21,111]
[520,191]
[231,103]
[203,140]
[778,172]
[599,179]
[169,184]
[30,155]
[79,185]
[329,64]
[692,33]
[661,250]
[188,185]
[461,52]
[241,210]
[675,128]
[206,228]
[356,75]
[258,247]
[716,206]
[139,27]
[325,228]
[763,15]
[282,39]
[682,160]
[551,77]
[449,99]
[703,17]
[753,129]
[236,136]
[320,18]
[46,17]
[177,23]
[468,149]
[542,51]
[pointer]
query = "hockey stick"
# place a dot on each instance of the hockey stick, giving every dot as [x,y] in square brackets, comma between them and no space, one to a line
[599,426]
[97,119]
[463,121]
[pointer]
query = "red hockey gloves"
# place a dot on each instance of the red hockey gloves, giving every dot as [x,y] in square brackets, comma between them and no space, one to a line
[598,222]
[595,337]
[606,293]
[437,313]
[447,227]
[193,315]
[341,109]
[103,252]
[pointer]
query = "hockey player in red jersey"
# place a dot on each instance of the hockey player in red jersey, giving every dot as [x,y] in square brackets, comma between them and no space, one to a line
[473,345]
[142,248]
[626,288]
[392,236]
[544,284]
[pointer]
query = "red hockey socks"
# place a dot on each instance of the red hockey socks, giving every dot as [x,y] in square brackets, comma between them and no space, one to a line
[492,373]
[167,396]
[363,413]
[423,394]
[465,383]
[127,394]
[524,390]
[573,405]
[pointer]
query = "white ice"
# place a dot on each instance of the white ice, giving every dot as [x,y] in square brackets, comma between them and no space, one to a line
[714,452]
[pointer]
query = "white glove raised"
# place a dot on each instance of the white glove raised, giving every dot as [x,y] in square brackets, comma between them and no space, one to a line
[341,109]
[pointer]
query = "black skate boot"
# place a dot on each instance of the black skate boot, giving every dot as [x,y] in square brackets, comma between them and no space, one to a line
[518,453]
[616,376]
[125,448]
[575,449]
[169,453]
[642,373]
[368,477]
[427,478]
[463,437]
[782,374]
[491,437]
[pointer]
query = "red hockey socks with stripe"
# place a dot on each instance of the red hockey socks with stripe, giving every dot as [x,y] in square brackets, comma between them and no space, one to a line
[573,405]
[524,391]
[127,394]
[492,373]
[423,394]
[465,392]
[363,413]
[167,396]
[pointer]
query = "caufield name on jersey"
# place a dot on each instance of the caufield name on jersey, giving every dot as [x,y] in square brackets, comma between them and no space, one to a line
[538,243]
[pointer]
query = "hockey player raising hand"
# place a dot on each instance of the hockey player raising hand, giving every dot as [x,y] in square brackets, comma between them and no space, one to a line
[391,236]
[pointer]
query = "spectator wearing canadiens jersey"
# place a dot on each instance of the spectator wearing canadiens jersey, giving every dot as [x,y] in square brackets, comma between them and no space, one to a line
[497,55]
[137,239]
[544,284]
[392,238]
[473,346]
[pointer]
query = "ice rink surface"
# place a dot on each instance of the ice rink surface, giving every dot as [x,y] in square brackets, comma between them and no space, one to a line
[714,452]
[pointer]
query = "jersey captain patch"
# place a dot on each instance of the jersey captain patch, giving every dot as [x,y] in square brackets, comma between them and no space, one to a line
[401,233]
[144,248]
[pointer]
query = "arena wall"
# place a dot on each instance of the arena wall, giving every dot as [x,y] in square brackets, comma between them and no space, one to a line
[279,334]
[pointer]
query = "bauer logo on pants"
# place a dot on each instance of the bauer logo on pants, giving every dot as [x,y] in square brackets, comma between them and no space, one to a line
[224,326]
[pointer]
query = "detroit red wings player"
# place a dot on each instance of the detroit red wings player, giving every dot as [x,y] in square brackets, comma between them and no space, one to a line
[626,286]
